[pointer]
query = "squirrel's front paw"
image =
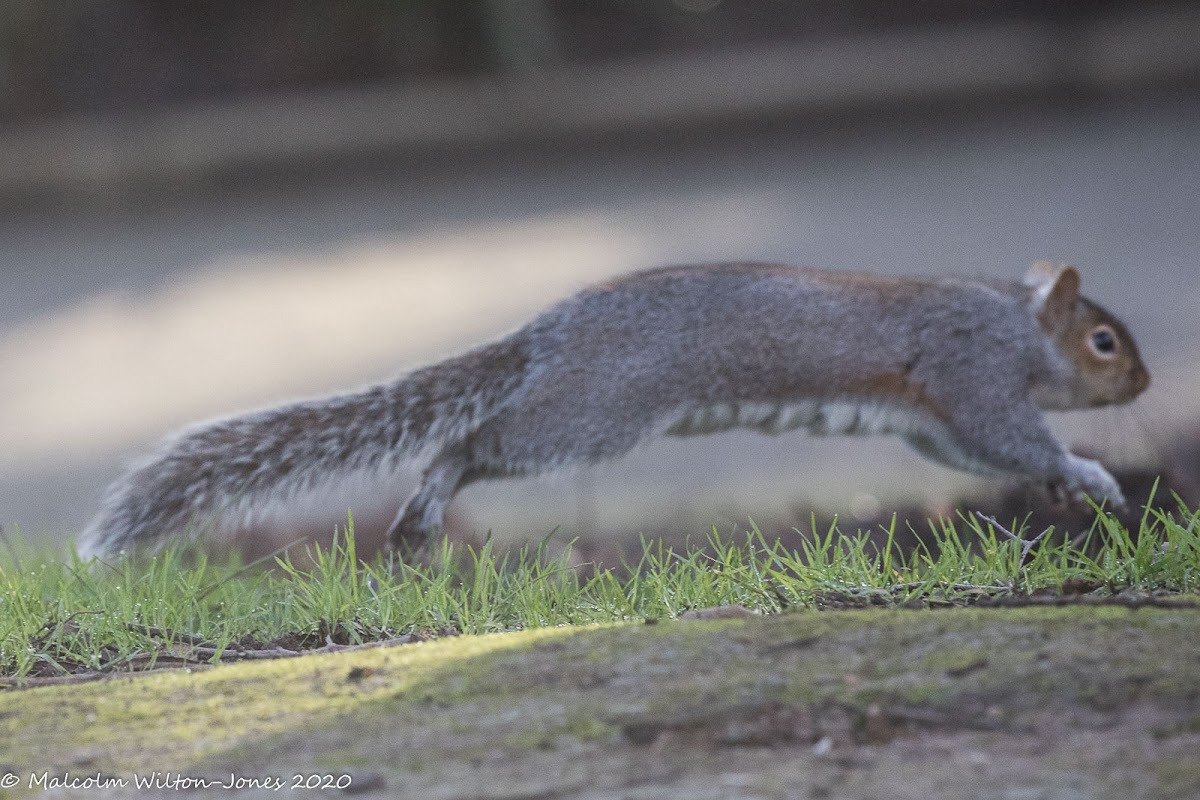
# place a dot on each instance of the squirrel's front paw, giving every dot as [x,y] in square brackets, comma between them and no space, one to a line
[1085,478]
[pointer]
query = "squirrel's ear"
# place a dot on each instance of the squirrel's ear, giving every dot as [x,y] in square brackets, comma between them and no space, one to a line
[1055,289]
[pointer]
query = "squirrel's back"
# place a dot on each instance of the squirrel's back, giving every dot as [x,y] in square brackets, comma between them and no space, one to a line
[765,331]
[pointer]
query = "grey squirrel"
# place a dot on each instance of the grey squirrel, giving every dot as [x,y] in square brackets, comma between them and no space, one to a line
[961,369]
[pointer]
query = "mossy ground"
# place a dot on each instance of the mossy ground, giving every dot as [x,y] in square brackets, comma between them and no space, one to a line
[988,703]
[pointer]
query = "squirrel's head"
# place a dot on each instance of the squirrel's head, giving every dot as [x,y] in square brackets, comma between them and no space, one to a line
[1104,364]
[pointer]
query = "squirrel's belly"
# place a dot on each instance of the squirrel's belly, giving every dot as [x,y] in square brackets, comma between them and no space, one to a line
[818,417]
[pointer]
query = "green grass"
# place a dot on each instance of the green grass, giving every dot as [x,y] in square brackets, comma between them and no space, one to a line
[59,617]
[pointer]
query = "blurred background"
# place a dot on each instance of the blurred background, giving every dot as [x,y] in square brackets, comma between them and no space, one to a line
[211,206]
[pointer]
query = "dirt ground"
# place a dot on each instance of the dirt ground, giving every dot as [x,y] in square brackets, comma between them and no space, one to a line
[997,704]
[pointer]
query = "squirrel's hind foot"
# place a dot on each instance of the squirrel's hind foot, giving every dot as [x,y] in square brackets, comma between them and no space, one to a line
[409,538]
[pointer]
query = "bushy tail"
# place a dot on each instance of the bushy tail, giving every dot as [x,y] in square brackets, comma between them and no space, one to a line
[228,469]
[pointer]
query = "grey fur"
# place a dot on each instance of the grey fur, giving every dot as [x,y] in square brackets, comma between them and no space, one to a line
[951,365]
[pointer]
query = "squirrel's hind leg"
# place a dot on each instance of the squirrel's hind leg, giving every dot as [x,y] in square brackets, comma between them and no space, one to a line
[420,518]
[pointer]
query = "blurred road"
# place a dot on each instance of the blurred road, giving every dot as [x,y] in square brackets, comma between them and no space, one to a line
[123,319]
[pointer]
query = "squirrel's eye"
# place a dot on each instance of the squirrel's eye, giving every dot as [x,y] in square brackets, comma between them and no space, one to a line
[1103,341]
